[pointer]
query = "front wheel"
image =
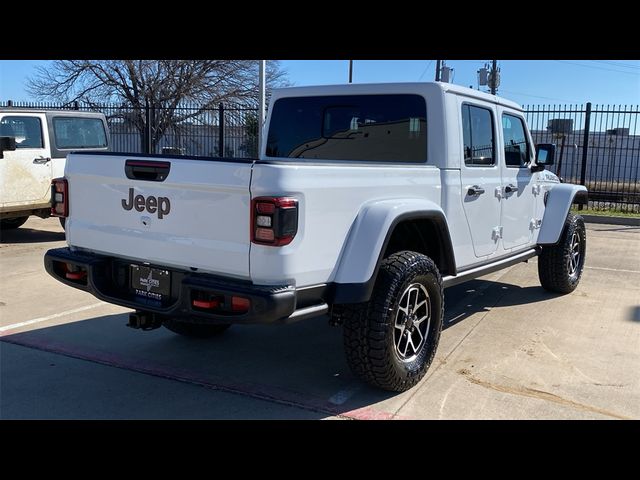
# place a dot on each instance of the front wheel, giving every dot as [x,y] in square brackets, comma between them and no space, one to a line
[195,330]
[391,340]
[560,266]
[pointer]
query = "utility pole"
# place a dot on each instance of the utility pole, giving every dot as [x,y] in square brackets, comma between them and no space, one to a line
[261,99]
[350,71]
[495,80]
[438,68]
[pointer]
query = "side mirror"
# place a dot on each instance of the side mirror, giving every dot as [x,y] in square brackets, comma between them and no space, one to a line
[7,144]
[545,155]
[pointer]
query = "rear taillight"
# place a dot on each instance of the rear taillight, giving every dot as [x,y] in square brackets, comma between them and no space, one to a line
[59,197]
[274,220]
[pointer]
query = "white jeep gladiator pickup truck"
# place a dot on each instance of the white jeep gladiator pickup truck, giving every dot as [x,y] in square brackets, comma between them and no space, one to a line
[33,148]
[366,202]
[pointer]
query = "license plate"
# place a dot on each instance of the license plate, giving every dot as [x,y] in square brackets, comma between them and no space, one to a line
[150,282]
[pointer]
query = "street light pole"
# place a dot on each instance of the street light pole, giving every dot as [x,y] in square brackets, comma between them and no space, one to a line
[350,71]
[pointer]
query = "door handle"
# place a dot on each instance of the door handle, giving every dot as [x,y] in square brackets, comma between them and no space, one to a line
[511,188]
[475,191]
[41,160]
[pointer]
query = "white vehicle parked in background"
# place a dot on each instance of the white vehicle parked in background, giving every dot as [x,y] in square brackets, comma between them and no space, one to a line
[366,202]
[33,148]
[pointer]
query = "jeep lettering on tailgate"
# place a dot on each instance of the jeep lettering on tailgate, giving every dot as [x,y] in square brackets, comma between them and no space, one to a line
[161,205]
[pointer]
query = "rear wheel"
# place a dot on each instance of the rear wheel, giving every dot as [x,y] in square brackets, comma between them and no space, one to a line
[11,223]
[195,330]
[391,340]
[560,266]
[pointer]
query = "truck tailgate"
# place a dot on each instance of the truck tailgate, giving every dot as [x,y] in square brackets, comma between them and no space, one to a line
[196,217]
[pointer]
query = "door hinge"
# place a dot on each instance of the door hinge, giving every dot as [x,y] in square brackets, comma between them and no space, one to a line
[536,189]
[497,232]
[498,193]
[535,223]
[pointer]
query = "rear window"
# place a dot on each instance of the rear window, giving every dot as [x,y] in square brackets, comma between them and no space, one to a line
[374,128]
[79,132]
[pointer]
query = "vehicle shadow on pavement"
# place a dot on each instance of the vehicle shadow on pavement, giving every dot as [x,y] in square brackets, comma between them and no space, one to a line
[266,369]
[465,300]
[300,365]
[29,235]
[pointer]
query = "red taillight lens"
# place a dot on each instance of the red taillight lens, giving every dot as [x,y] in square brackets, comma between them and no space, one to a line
[265,235]
[264,207]
[59,197]
[240,304]
[274,220]
[208,304]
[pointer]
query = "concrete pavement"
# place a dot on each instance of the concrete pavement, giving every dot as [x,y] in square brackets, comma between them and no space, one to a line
[509,350]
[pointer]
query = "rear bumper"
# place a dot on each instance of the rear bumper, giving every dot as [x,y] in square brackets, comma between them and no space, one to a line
[107,278]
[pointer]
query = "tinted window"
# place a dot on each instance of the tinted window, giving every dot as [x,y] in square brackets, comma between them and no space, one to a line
[379,128]
[78,132]
[477,132]
[26,130]
[516,146]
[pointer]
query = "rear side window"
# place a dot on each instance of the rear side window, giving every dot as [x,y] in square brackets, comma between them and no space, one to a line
[26,130]
[79,132]
[478,136]
[516,146]
[374,128]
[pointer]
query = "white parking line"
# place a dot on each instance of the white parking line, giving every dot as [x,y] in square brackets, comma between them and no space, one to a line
[613,269]
[50,317]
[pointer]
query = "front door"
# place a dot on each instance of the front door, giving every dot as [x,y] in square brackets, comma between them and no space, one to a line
[25,172]
[518,205]
[480,175]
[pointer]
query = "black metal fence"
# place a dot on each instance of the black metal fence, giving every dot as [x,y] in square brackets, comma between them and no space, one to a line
[224,130]
[598,146]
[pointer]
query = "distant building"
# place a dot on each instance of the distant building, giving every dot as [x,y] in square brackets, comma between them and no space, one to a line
[612,155]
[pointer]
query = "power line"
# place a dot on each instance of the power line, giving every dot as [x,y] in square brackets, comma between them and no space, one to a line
[617,64]
[539,96]
[599,68]
[425,70]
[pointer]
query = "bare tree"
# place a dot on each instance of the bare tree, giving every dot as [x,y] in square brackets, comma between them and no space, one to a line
[162,84]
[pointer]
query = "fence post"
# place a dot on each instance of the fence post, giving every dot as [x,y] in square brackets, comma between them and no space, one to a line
[145,133]
[221,130]
[585,147]
[152,124]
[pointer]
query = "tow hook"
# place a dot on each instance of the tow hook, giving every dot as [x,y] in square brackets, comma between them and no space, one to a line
[144,321]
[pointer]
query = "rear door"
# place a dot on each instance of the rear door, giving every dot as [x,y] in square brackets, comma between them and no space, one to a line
[175,212]
[25,172]
[480,175]
[518,206]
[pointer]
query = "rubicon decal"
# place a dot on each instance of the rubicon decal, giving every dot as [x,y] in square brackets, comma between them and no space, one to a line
[159,205]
